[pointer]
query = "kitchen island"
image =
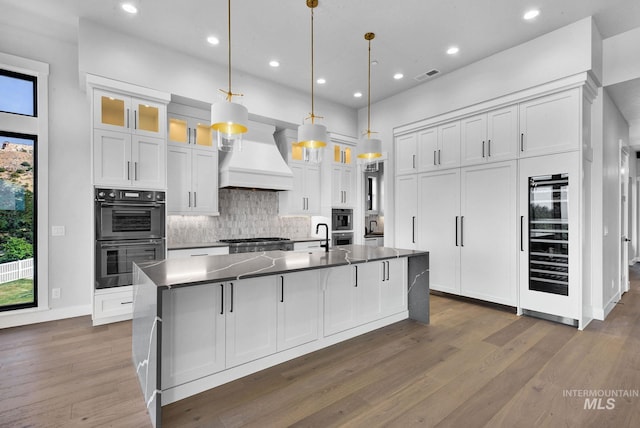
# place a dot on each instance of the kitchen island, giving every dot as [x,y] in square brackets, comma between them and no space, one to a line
[203,321]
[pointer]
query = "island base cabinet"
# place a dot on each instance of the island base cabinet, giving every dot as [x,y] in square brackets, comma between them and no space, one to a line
[251,319]
[193,333]
[340,300]
[393,287]
[298,309]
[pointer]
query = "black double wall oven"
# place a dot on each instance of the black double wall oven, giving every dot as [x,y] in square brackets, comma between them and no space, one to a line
[130,227]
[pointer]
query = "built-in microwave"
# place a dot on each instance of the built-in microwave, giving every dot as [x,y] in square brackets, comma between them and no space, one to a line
[341,238]
[341,219]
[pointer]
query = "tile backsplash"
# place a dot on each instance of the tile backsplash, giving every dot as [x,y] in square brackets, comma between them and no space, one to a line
[243,214]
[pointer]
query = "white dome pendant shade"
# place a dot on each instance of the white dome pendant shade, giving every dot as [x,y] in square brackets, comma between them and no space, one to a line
[369,148]
[312,137]
[229,119]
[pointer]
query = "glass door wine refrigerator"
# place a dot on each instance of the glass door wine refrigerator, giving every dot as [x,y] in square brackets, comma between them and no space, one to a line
[549,236]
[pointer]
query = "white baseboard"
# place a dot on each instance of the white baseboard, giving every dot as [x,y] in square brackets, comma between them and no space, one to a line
[36,315]
[601,313]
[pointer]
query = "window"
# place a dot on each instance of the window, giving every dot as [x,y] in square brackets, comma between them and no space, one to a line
[21,129]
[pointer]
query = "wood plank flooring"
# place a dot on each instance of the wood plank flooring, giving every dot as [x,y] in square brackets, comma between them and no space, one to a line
[473,366]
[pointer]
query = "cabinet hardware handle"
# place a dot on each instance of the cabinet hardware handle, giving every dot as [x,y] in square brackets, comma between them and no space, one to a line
[221,299]
[522,142]
[195,135]
[434,158]
[128,170]
[462,231]
[189,199]
[521,233]
[281,289]
[489,148]
[126,303]
[414,161]
[199,255]
[356,275]
[195,199]
[231,310]
[456,231]
[413,229]
[388,269]
[127,118]
[383,271]
[439,160]
[483,149]
[188,135]
[135,170]
[135,119]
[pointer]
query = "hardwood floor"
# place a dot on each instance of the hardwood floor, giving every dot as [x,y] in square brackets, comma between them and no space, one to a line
[473,366]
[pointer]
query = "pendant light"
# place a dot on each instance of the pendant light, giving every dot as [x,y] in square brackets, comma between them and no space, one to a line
[227,118]
[312,136]
[369,148]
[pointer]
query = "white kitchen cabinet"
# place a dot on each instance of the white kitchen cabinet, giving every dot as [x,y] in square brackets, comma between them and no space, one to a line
[550,247]
[406,211]
[251,319]
[340,300]
[377,241]
[438,195]
[125,160]
[189,131]
[196,252]
[368,292]
[112,305]
[393,286]
[298,309]
[342,154]
[488,233]
[304,198]
[406,148]
[193,334]
[113,111]
[343,186]
[192,182]
[439,147]
[309,246]
[550,124]
[490,137]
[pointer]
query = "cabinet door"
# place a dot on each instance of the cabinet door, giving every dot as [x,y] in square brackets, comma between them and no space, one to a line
[337,194]
[179,132]
[111,158]
[474,139]
[312,189]
[251,319]
[193,333]
[406,211]
[367,281]
[406,154]
[428,149]
[488,252]
[438,232]
[148,162]
[449,145]
[502,134]
[178,179]
[111,111]
[348,186]
[149,118]
[550,124]
[393,288]
[204,181]
[298,310]
[340,310]
[202,134]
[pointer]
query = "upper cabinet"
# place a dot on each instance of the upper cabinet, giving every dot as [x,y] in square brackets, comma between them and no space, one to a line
[343,175]
[117,112]
[406,153]
[429,149]
[342,154]
[490,137]
[550,124]
[190,131]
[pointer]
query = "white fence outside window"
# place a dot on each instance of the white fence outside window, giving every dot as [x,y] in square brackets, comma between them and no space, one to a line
[16,270]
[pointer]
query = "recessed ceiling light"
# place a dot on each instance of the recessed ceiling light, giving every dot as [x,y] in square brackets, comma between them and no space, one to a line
[129,8]
[213,40]
[531,14]
[321,81]
[398,76]
[357,95]
[274,63]
[453,50]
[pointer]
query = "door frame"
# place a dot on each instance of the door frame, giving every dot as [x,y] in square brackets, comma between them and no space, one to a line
[623,215]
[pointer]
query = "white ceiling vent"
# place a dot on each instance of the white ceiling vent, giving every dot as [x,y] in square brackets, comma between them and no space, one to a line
[427,75]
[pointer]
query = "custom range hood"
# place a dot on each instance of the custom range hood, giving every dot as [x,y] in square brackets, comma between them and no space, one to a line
[259,165]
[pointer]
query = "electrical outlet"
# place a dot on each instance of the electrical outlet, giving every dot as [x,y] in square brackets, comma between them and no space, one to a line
[57,231]
[55,293]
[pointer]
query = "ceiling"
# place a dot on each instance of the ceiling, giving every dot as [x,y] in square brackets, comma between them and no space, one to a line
[411,35]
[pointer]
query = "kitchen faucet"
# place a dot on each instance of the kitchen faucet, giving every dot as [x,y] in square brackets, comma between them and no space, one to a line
[326,236]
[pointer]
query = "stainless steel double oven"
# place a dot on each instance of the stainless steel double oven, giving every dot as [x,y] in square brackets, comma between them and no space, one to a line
[130,227]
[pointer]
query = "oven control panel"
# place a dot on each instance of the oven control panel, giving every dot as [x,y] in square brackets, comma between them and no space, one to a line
[118,195]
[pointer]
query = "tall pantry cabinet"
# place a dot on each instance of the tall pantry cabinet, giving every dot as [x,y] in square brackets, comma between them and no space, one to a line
[503,223]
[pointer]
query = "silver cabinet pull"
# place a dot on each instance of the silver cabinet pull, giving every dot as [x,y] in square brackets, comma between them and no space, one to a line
[231,309]
[189,200]
[439,160]
[414,161]
[356,275]
[128,170]
[135,170]
[388,269]
[127,118]
[135,119]
[434,158]
[195,200]
[489,148]
[195,135]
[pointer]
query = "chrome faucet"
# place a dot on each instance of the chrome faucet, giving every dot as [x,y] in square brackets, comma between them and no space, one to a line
[326,236]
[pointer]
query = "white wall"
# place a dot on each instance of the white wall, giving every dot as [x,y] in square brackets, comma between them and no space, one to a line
[121,57]
[561,53]
[69,180]
[621,59]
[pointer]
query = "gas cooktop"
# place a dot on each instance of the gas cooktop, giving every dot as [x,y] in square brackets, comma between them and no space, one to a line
[247,245]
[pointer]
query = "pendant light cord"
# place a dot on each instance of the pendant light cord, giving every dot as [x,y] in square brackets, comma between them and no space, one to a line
[312,85]
[229,94]
[369,95]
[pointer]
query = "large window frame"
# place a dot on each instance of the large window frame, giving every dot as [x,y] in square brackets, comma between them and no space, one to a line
[38,126]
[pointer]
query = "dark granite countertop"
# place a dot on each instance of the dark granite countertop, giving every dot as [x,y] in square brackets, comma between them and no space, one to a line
[198,270]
